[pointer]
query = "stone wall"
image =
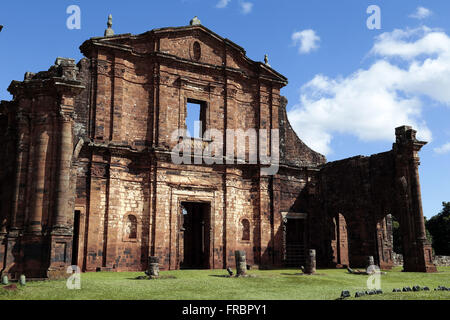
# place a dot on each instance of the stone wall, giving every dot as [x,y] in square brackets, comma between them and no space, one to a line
[366,191]
[397,259]
[357,194]
[440,261]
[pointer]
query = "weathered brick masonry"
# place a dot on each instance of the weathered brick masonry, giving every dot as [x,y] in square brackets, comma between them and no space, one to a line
[87,175]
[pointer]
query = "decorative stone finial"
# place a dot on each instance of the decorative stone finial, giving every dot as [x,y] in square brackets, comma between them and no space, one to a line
[109,32]
[266,60]
[195,21]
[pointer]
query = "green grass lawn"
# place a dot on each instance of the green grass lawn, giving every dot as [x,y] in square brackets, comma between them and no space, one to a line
[211,285]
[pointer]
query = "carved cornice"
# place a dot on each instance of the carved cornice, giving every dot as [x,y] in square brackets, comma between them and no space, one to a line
[68,87]
[51,87]
[192,187]
[116,149]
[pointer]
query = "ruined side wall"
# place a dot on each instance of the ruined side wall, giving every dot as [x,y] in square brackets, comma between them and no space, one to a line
[361,189]
[40,122]
[365,190]
[293,151]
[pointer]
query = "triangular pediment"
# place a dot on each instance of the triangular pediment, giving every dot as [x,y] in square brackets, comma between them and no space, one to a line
[191,43]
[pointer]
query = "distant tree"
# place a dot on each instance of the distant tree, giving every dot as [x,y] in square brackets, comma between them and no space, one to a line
[397,235]
[439,227]
[429,235]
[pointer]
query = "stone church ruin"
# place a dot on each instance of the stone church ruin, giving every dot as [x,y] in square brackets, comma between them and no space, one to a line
[87,177]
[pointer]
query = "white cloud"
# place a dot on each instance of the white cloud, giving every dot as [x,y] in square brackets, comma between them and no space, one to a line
[411,43]
[421,13]
[410,65]
[307,40]
[222,3]
[443,149]
[246,7]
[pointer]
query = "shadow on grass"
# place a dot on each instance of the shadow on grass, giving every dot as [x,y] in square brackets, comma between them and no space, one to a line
[302,274]
[165,277]
[234,277]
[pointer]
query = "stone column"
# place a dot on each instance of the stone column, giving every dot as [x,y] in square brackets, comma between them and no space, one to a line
[39,170]
[419,218]
[61,238]
[418,257]
[13,212]
[311,262]
[241,263]
[153,267]
[265,226]
[21,170]
[425,252]
[284,230]
[65,161]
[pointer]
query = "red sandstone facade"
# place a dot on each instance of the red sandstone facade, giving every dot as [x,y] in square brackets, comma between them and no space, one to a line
[87,176]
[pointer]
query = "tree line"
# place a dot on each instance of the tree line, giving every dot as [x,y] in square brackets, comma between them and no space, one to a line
[438,232]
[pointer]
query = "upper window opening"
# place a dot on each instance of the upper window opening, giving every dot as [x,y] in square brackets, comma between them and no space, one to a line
[195,118]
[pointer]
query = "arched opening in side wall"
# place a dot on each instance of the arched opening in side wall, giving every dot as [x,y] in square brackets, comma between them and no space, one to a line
[389,242]
[339,242]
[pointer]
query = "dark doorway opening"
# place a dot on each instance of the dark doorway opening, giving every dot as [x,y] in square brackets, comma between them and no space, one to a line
[295,243]
[195,240]
[76,237]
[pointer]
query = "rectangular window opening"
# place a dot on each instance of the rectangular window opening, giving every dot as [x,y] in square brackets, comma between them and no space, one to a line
[196,118]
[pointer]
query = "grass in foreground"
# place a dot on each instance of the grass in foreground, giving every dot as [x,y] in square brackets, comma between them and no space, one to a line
[211,285]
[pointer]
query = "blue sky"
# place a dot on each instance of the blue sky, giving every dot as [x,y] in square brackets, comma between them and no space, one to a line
[323,46]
